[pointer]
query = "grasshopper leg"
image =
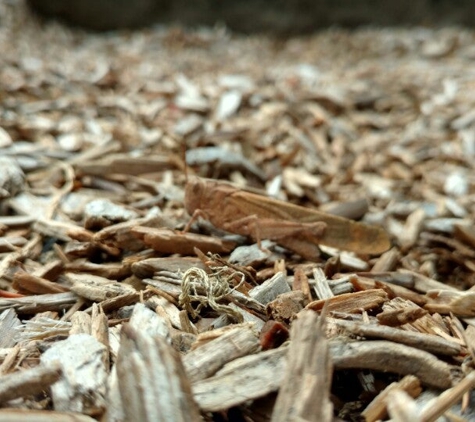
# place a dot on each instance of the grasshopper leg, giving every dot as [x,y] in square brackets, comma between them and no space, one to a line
[196,214]
[276,230]
[249,226]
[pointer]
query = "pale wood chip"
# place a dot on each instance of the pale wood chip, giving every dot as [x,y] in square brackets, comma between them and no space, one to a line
[39,303]
[286,306]
[80,323]
[377,409]
[246,378]
[270,289]
[401,407]
[412,228]
[386,262]
[42,327]
[166,310]
[149,322]
[225,158]
[62,230]
[8,323]
[202,362]
[148,267]
[12,178]
[321,285]
[247,316]
[388,281]
[423,284]
[115,303]
[301,283]
[152,382]
[96,288]
[83,386]
[448,398]
[123,164]
[461,304]
[8,364]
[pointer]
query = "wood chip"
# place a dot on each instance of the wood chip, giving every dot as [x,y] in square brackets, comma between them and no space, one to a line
[205,361]
[429,343]
[401,407]
[8,323]
[352,302]
[83,386]
[305,391]
[270,289]
[96,288]
[30,382]
[167,241]
[387,356]
[448,398]
[40,303]
[21,415]
[377,409]
[152,381]
[247,378]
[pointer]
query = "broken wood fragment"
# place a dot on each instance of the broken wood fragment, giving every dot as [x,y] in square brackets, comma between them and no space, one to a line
[352,302]
[28,283]
[270,289]
[386,262]
[381,355]
[9,322]
[83,385]
[448,398]
[152,382]
[301,283]
[95,288]
[204,361]
[429,343]
[461,304]
[28,382]
[377,409]
[246,378]
[401,407]
[148,267]
[360,282]
[305,390]
[32,415]
[39,303]
[286,306]
[397,317]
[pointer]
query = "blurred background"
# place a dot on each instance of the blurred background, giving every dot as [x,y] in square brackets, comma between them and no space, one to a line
[276,16]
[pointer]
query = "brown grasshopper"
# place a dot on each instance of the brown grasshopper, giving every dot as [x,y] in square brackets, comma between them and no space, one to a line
[294,227]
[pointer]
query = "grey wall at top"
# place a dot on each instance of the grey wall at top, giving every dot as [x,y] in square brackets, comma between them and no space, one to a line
[280,16]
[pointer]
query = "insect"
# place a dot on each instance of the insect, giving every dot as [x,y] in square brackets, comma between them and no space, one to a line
[296,228]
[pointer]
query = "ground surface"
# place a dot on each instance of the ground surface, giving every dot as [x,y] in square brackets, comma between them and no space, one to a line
[376,125]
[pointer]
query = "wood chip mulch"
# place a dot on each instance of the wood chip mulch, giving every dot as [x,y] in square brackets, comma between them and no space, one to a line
[357,303]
